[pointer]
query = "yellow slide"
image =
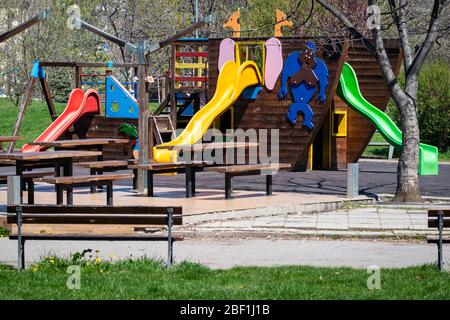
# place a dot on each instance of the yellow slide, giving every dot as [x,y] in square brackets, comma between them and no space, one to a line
[233,79]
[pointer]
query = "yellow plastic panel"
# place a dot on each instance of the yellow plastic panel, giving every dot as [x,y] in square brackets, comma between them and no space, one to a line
[233,79]
[339,124]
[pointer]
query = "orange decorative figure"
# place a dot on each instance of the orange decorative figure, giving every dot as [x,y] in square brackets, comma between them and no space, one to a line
[281,21]
[234,24]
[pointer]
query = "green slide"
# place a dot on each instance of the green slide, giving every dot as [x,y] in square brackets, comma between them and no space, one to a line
[349,92]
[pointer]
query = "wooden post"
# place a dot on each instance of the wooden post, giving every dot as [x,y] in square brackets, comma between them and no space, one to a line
[26,101]
[166,85]
[173,101]
[142,126]
[78,70]
[151,134]
[48,98]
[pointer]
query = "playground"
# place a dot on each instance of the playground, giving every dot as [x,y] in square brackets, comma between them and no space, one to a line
[249,146]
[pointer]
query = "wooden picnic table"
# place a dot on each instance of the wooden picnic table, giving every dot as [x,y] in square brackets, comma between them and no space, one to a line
[8,139]
[232,171]
[210,146]
[66,144]
[46,159]
[171,167]
[195,152]
[96,144]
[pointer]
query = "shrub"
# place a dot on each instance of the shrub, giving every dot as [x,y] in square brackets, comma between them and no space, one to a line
[433,104]
[4,232]
[60,84]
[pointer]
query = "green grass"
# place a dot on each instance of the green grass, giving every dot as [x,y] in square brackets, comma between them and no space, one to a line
[444,156]
[377,151]
[382,152]
[37,119]
[149,279]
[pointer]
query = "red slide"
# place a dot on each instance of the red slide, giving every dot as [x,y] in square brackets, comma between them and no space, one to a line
[79,104]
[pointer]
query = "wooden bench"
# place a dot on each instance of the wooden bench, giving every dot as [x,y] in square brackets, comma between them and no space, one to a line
[439,219]
[7,163]
[69,183]
[189,168]
[100,215]
[232,171]
[28,180]
[98,167]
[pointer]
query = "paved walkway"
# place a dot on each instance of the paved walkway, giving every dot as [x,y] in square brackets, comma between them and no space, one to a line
[230,253]
[376,177]
[367,222]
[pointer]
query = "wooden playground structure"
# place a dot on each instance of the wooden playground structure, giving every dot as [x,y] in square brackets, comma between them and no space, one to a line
[339,134]
[292,87]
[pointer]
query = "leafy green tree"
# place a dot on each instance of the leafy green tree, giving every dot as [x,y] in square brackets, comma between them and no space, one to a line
[433,104]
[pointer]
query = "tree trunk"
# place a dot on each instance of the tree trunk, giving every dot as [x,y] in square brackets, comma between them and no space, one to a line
[408,165]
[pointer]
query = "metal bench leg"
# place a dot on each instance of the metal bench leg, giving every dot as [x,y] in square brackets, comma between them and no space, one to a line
[188,182]
[169,237]
[59,195]
[57,173]
[100,172]
[20,241]
[193,182]
[135,175]
[269,185]
[149,183]
[30,184]
[109,194]
[69,196]
[228,186]
[440,253]
[22,258]
[93,188]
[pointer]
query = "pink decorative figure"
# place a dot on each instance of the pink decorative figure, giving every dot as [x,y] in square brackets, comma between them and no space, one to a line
[274,62]
[226,52]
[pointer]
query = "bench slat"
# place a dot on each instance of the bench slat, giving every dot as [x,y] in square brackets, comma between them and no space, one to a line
[435,239]
[87,178]
[249,168]
[434,212]
[433,222]
[103,164]
[92,237]
[28,174]
[126,219]
[168,165]
[52,209]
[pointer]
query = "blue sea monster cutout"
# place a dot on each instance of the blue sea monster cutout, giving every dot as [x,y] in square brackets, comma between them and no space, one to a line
[304,72]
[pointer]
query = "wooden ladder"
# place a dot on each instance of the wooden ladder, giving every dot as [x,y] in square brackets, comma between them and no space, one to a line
[158,132]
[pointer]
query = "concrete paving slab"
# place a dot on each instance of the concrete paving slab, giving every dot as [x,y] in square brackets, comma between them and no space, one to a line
[331,226]
[300,225]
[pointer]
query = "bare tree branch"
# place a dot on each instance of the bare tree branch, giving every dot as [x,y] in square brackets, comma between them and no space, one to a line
[430,38]
[399,20]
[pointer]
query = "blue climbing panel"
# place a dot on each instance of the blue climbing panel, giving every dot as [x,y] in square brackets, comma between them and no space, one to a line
[251,93]
[120,103]
[182,98]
